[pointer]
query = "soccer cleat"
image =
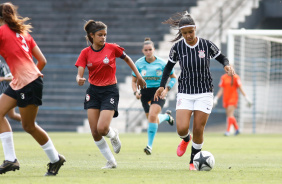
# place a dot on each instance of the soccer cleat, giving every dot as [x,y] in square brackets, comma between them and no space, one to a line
[181,149]
[226,134]
[192,167]
[9,166]
[115,141]
[237,132]
[148,150]
[110,165]
[171,120]
[53,168]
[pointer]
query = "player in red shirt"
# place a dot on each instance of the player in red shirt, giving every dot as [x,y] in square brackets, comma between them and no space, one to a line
[228,87]
[102,96]
[17,47]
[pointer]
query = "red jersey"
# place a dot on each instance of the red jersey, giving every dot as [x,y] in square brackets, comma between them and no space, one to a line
[101,64]
[16,50]
[230,93]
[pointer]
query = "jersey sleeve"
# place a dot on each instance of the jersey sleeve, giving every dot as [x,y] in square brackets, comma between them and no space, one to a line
[32,43]
[119,51]
[238,81]
[213,50]
[173,56]
[82,59]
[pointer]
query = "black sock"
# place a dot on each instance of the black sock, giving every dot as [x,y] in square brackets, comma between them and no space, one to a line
[187,139]
[193,153]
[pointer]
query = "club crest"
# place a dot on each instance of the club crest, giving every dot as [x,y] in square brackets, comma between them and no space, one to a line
[143,72]
[106,60]
[201,53]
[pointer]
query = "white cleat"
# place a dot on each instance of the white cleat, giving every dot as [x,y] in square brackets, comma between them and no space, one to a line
[115,141]
[110,165]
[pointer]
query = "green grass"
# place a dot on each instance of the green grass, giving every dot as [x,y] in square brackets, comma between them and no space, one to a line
[241,159]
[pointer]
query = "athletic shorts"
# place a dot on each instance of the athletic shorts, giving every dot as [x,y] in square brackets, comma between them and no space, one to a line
[102,97]
[202,102]
[147,99]
[30,94]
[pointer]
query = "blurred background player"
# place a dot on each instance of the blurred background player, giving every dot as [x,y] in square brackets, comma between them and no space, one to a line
[228,87]
[195,89]
[17,47]
[5,78]
[151,69]
[102,96]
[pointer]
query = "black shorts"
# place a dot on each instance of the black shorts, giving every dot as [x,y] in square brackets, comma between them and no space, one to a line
[30,94]
[102,97]
[147,99]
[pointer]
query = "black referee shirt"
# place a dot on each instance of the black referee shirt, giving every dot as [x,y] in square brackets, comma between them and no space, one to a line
[194,62]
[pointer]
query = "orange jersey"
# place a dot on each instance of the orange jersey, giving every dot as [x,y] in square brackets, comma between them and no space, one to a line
[230,93]
[16,50]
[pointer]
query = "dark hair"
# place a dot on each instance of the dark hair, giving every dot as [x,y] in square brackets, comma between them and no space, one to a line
[148,41]
[92,26]
[178,20]
[9,14]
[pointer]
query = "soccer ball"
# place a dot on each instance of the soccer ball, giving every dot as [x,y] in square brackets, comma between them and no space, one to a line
[204,161]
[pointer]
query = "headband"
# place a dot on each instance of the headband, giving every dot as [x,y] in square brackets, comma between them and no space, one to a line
[99,30]
[187,26]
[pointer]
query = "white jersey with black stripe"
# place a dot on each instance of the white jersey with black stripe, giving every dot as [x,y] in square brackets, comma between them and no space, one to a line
[4,72]
[194,63]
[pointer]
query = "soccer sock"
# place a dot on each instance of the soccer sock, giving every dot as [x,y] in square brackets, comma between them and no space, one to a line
[194,150]
[111,133]
[186,138]
[229,123]
[105,150]
[152,130]
[234,122]
[8,146]
[163,117]
[51,151]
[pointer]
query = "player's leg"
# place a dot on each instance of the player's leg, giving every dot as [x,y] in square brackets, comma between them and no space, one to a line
[10,163]
[13,115]
[28,115]
[231,119]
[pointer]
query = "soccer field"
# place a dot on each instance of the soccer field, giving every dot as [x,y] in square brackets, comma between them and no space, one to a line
[241,159]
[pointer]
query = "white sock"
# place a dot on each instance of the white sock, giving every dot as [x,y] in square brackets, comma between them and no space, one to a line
[197,146]
[111,133]
[8,146]
[105,150]
[51,151]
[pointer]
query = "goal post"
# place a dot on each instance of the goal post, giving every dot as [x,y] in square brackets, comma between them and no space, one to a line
[257,58]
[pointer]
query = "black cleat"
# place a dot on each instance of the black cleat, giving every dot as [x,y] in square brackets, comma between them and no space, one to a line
[55,167]
[148,150]
[9,166]
[171,120]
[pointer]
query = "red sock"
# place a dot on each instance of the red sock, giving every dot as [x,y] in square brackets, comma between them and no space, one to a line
[234,122]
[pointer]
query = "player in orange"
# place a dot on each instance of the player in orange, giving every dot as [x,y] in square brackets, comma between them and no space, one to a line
[228,87]
[18,48]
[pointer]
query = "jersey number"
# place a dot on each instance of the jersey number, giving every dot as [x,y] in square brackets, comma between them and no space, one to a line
[24,46]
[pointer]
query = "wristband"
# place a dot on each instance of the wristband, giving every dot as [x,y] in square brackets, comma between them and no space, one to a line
[134,93]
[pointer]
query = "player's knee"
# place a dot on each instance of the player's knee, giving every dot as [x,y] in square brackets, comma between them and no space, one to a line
[29,128]
[103,130]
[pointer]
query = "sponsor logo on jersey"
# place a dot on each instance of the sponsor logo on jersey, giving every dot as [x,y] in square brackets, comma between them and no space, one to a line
[106,60]
[89,64]
[159,72]
[201,53]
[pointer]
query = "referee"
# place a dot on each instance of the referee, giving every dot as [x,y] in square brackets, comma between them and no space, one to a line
[195,89]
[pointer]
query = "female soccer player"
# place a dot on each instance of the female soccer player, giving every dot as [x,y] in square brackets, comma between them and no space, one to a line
[195,89]
[151,69]
[5,78]
[228,87]
[25,90]
[102,96]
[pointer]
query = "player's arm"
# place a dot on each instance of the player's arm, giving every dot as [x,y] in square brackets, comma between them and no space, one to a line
[79,77]
[134,87]
[169,85]
[41,60]
[217,96]
[141,83]
[249,102]
[225,62]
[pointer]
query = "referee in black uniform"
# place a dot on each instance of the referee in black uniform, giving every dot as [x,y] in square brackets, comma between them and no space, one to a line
[195,89]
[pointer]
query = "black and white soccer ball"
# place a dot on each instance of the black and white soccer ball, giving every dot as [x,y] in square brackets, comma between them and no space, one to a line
[204,161]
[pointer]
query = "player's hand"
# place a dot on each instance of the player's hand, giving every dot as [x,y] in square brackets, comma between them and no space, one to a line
[229,70]
[215,100]
[138,95]
[80,80]
[249,102]
[141,83]
[158,93]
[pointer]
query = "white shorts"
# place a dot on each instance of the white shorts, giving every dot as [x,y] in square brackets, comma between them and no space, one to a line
[202,102]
